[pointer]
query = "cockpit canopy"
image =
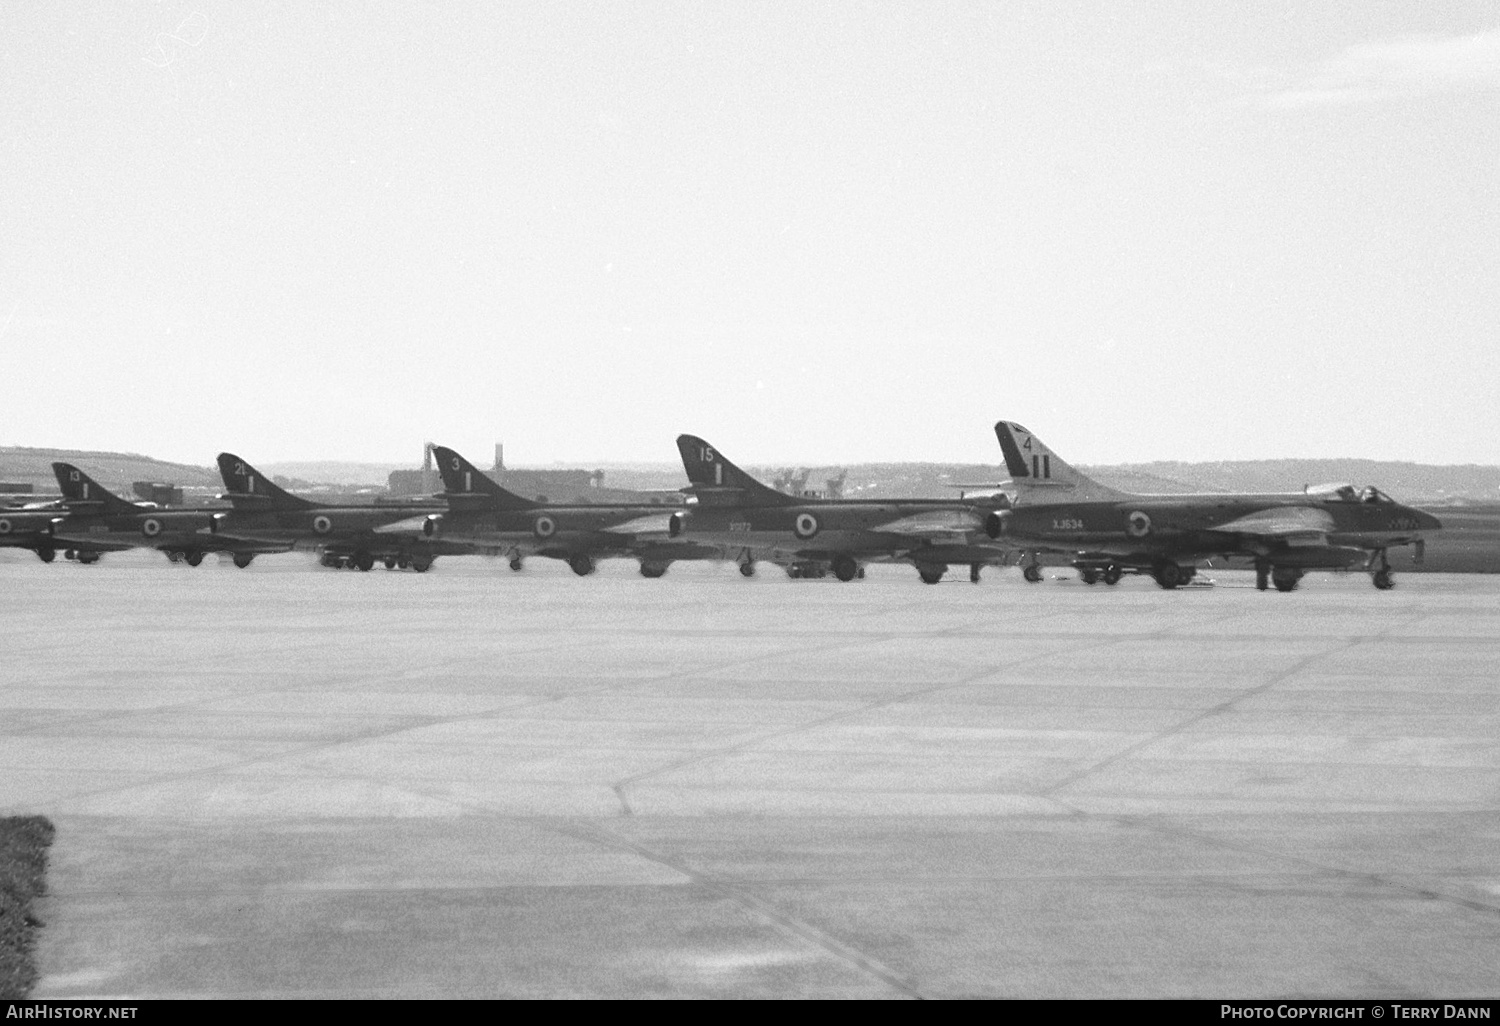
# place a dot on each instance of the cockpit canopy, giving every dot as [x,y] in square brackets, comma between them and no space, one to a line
[1344,492]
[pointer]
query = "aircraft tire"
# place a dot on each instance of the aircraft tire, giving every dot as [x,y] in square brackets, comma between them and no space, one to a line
[363,561]
[581,564]
[390,562]
[1285,580]
[45,554]
[193,558]
[931,574]
[88,557]
[653,570]
[974,569]
[1089,576]
[516,565]
[793,571]
[1112,574]
[1383,580]
[421,564]
[747,569]
[845,568]
[1032,573]
[1168,575]
[242,559]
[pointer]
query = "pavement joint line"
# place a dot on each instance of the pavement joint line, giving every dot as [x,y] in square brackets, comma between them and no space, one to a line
[297,752]
[621,785]
[599,833]
[1380,880]
[1200,716]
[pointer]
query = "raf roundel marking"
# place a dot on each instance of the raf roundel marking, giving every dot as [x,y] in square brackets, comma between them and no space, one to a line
[151,528]
[806,525]
[4,526]
[322,524]
[1138,524]
[545,527]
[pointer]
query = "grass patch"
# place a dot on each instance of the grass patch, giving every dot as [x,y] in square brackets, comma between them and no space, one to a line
[23,876]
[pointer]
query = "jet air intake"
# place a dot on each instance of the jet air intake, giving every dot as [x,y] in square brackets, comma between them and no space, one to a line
[431,525]
[674,525]
[998,523]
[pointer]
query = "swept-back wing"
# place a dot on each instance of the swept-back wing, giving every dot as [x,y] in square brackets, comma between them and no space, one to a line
[944,523]
[1288,525]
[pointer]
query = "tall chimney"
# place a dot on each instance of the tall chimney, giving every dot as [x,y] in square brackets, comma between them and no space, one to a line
[499,455]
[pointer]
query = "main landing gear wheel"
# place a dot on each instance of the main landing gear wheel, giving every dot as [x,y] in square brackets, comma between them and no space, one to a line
[390,562]
[1112,575]
[1262,575]
[845,568]
[46,555]
[582,565]
[173,556]
[363,561]
[421,564]
[515,565]
[1168,575]
[931,574]
[1285,579]
[653,570]
[1089,576]
[88,557]
[747,569]
[1032,573]
[1381,577]
[192,558]
[974,569]
[329,560]
[242,559]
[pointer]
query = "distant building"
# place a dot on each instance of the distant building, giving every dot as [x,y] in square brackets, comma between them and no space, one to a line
[154,491]
[408,482]
[795,482]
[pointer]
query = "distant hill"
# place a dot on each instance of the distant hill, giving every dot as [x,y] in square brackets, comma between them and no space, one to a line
[115,470]
[1411,482]
[334,472]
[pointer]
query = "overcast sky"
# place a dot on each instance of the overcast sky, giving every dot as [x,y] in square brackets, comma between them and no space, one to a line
[808,231]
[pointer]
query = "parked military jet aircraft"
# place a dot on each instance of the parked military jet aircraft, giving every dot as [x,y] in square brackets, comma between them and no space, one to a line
[487,518]
[35,529]
[100,521]
[345,536]
[754,522]
[1107,532]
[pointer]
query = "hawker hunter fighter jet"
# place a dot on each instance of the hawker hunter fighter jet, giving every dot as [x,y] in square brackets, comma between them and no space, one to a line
[1107,532]
[99,521]
[486,518]
[809,537]
[36,529]
[345,536]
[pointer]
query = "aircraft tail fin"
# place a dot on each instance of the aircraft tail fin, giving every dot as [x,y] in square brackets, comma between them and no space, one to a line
[716,481]
[462,478]
[1040,476]
[249,487]
[80,490]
